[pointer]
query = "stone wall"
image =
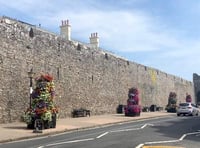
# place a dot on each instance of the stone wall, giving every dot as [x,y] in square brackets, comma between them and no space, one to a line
[84,76]
[196,81]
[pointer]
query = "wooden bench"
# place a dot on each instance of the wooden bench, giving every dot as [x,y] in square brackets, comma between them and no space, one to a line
[80,113]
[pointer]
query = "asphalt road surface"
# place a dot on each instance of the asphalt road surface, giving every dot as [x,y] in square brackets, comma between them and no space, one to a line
[165,131]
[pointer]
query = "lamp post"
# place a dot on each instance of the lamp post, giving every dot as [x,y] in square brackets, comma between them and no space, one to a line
[30,75]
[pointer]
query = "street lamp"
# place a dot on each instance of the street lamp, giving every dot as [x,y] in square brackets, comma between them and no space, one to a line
[30,75]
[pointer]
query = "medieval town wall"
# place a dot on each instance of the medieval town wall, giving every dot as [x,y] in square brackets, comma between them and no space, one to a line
[196,81]
[84,77]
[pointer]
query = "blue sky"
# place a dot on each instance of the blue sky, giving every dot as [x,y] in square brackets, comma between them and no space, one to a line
[162,34]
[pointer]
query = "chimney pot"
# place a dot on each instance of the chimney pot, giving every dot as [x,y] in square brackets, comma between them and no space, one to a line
[94,40]
[65,29]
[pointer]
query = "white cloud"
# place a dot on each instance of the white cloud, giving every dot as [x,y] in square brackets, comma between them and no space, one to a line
[131,30]
[120,30]
[127,28]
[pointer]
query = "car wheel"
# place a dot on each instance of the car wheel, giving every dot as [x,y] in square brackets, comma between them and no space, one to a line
[178,114]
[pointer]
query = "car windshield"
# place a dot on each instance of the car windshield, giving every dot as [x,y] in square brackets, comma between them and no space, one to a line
[183,104]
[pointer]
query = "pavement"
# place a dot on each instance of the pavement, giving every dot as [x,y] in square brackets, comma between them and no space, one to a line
[18,130]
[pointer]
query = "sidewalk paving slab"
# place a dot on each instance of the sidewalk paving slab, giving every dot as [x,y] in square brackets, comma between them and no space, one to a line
[18,130]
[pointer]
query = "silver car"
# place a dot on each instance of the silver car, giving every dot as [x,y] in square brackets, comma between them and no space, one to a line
[188,109]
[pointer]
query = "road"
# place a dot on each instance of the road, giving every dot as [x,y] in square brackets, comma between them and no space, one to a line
[170,130]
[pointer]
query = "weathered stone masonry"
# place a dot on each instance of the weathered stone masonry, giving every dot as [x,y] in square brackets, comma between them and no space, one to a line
[196,81]
[84,76]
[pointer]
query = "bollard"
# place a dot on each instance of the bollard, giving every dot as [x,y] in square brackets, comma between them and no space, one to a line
[38,126]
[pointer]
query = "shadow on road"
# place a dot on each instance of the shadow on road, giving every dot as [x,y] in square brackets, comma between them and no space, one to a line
[176,129]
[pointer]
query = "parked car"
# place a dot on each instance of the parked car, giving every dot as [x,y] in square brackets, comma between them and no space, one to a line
[188,109]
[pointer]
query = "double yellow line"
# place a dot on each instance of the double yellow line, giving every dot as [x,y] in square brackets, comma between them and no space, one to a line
[161,147]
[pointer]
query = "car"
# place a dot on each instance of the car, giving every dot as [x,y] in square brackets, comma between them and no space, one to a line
[188,109]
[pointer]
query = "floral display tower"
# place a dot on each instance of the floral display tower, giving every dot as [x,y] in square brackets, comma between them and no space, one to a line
[133,108]
[172,103]
[43,109]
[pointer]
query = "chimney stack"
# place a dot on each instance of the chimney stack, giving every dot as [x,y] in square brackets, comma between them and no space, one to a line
[94,40]
[65,29]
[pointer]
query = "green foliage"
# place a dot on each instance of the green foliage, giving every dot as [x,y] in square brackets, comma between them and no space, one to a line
[47,116]
[42,100]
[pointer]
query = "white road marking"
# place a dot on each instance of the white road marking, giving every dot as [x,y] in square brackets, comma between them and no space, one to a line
[89,139]
[158,142]
[125,130]
[169,141]
[193,133]
[143,126]
[146,125]
[182,137]
[139,146]
[102,135]
[131,129]
[66,142]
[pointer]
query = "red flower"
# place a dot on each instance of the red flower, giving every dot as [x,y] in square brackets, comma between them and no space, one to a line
[48,77]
